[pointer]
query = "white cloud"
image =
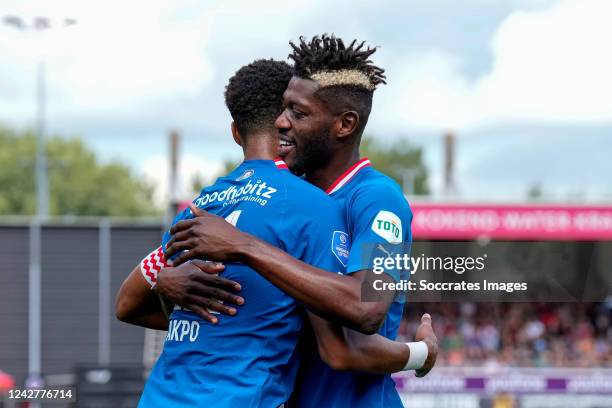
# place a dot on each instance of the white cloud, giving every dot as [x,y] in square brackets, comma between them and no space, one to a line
[134,69]
[118,57]
[130,58]
[549,66]
[427,92]
[553,65]
[161,61]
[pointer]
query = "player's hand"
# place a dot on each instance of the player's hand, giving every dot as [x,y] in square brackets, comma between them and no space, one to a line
[205,236]
[196,286]
[425,333]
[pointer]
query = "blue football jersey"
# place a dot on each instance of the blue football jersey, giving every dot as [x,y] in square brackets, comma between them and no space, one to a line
[250,360]
[375,211]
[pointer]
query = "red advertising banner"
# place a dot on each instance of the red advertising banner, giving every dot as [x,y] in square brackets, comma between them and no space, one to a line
[513,222]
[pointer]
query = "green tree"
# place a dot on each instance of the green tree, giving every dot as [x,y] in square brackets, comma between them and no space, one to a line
[78,183]
[230,165]
[401,161]
[534,192]
[198,181]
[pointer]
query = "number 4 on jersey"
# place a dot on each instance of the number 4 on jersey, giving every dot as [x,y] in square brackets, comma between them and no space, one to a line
[233,217]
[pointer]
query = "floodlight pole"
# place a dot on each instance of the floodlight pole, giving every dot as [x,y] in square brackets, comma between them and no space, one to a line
[42,212]
[42,187]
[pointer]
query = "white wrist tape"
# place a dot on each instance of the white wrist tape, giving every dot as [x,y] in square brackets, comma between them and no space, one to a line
[418,355]
[152,264]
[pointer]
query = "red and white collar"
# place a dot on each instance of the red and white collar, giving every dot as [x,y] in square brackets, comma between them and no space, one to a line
[280,164]
[348,175]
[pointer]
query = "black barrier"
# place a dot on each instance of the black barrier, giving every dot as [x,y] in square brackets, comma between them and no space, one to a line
[70,296]
[111,386]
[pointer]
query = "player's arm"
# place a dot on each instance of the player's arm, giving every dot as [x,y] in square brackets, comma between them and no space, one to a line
[137,304]
[333,296]
[138,301]
[330,295]
[345,349]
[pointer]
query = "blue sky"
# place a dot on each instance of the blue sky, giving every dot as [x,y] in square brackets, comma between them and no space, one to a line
[524,84]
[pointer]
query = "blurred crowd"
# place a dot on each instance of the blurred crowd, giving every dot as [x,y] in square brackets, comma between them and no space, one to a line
[517,334]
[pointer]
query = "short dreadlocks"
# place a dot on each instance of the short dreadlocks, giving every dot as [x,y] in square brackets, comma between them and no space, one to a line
[346,75]
[254,94]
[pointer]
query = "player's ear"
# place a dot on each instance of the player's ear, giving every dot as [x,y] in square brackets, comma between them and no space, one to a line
[236,135]
[346,123]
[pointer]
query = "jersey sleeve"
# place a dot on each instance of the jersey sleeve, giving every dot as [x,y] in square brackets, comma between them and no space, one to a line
[316,235]
[156,260]
[152,264]
[381,225]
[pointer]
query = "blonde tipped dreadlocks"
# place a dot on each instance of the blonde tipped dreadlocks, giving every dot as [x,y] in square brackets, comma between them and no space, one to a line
[343,77]
[328,61]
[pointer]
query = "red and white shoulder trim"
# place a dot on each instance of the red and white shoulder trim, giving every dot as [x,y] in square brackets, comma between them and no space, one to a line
[281,164]
[348,175]
[152,264]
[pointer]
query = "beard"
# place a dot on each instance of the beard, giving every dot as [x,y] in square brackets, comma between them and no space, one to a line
[313,154]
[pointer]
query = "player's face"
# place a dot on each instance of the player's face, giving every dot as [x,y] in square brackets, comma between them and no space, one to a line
[305,128]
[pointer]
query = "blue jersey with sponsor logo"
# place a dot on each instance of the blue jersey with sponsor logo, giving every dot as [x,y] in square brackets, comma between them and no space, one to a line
[375,211]
[250,360]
